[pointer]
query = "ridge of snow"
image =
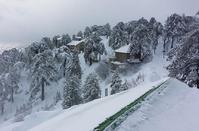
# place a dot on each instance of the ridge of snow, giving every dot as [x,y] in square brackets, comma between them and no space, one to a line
[174,108]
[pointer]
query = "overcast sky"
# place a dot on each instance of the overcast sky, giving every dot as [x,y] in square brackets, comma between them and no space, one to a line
[25,21]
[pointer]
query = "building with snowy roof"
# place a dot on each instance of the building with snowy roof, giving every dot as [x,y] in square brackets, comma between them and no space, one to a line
[123,55]
[77,45]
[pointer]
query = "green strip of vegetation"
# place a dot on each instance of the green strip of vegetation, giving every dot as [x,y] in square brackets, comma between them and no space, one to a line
[129,108]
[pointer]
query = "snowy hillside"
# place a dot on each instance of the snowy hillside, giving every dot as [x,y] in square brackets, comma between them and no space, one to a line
[77,83]
[156,113]
[85,117]
[175,108]
[151,76]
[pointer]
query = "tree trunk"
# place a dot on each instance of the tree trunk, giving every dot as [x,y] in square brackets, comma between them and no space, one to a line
[42,90]
[172,41]
[90,61]
[2,108]
[64,67]
[12,94]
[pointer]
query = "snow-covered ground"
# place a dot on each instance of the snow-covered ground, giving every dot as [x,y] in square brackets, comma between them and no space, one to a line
[82,117]
[92,113]
[174,109]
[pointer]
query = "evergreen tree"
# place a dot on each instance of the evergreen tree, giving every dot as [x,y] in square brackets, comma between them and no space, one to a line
[116,83]
[73,67]
[140,42]
[87,32]
[125,86]
[47,42]
[88,49]
[58,97]
[57,41]
[43,71]
[80,34]
[74,37]
[107,30]
[3,95]
[155,31]
[71,94]
[174,29]
[12,83]
[93,49]
[8,58]
[4,65]
[186,63]
[91,88]
[118,37]
[2,107]
[65,39]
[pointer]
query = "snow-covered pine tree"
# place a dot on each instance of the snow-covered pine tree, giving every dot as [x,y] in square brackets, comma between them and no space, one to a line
[174,29]
[3,95]
[185,67]
[87,32]
[12,81]
[80,34]
[2,107]
[71,94]
[65,39]
[125,86]
[43,72]
[47,41]
[63,57]
[119,36]
[155,30]
[192,78]
[107,30]
[140,46]
[74,37]
[91,88]
[73,67]
[98,47]
[58,97]
[93,49]
[88,49]
[4,65]
[8,58]
[56,41]
[116,83]
[31,51]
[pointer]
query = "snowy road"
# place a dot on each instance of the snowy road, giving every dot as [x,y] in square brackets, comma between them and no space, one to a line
[176,108]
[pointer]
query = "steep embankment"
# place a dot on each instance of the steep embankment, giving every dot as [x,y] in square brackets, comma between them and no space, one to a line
[174,109]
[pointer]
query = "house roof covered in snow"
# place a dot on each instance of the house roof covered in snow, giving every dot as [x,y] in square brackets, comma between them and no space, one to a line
[59,38]
[74,42]
[123,49]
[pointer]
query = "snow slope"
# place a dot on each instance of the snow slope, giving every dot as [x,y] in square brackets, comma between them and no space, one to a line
[152,73]
[86,117]
[174,109]
[82,117]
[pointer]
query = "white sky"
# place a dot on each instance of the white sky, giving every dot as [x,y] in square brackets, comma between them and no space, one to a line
[25,21]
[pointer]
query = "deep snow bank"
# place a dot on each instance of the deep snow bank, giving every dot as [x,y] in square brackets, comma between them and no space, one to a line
[174,109]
